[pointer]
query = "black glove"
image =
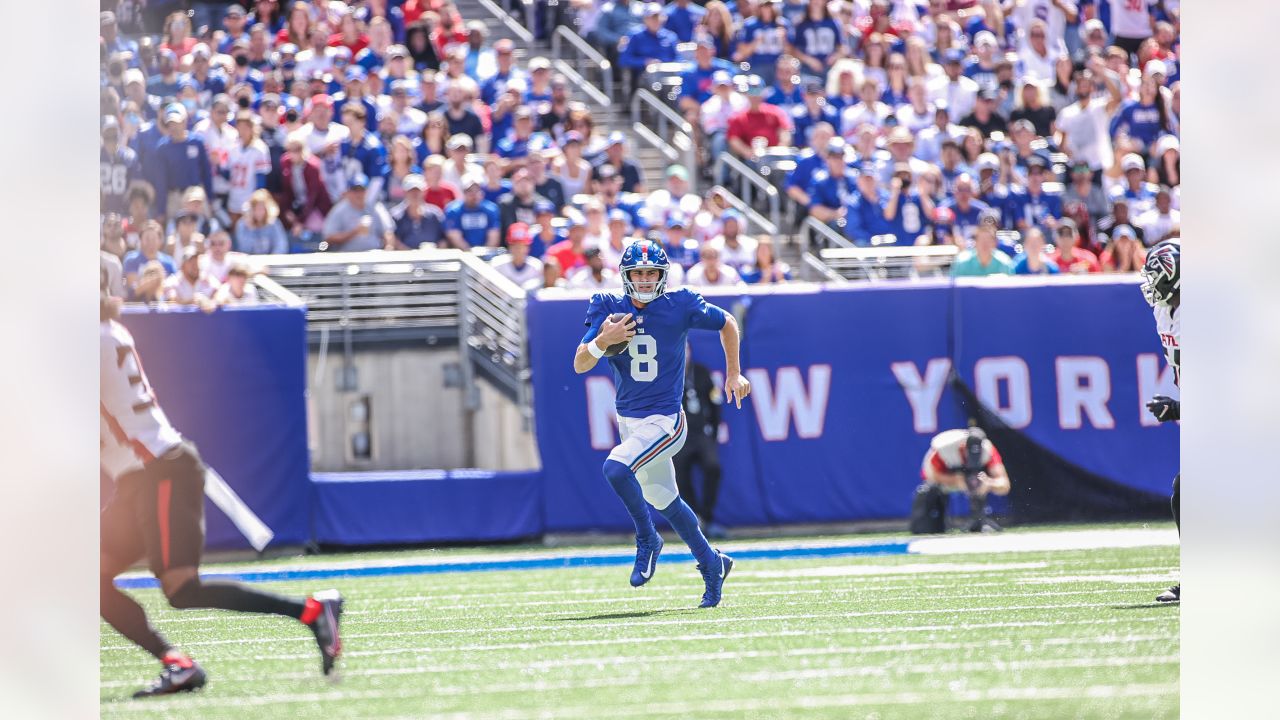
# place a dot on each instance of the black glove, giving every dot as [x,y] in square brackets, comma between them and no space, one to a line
[1165,408]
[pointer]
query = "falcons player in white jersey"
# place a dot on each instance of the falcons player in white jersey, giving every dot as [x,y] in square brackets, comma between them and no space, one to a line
[1161,286]
[157,511]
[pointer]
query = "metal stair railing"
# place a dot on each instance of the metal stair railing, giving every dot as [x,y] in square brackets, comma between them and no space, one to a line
[507,21]
[588,56]
[752,179]
[681,136]
[753,218]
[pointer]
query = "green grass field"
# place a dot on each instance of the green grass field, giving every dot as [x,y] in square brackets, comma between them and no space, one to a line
[1033,634]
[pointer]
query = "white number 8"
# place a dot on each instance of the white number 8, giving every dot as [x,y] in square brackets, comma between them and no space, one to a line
[644,358]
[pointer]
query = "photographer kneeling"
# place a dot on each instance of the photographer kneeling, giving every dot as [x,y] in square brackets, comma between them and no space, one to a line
[958,461]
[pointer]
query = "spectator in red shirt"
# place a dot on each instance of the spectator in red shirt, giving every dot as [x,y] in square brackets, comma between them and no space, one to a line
[177,34]
[878,21]
[298,28]
[1068,257]
[349,35]
[304,202]
[760,121]
[438,192]
[569,253]
[448,33]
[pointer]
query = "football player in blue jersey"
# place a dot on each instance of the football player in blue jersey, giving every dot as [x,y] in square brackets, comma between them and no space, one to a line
[649,377]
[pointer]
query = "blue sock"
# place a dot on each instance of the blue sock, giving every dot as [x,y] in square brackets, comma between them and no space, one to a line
[628,488]
[686,523]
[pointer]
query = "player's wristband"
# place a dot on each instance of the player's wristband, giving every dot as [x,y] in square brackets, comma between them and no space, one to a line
[596,351]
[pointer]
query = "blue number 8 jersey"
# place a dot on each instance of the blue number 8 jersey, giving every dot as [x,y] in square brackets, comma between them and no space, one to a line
[649,375]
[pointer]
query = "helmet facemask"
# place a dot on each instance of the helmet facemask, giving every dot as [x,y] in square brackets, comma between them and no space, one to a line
[629,286]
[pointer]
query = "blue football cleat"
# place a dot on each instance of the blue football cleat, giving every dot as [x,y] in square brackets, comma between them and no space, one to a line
[714,577]
[646,560]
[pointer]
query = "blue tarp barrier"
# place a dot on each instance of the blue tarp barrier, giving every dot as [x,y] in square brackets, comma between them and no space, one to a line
[386,508]
[851,383]
[234,382]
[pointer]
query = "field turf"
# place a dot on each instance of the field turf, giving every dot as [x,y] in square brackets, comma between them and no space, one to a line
[1044,633]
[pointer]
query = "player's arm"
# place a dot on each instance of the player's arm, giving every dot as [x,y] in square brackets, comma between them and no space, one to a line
[596,342]
[997,479]
[1165,408]
[736,387]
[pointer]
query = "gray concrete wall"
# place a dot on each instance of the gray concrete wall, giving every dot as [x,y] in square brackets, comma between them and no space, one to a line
[416,422]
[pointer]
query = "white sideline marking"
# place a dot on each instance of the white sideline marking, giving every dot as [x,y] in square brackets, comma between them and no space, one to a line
[631,678]
[361,617]
[958,667]
[635,622]
[1044,541]
[907,569]
[959,545]
[789,703]
[669,638]
[1117,579]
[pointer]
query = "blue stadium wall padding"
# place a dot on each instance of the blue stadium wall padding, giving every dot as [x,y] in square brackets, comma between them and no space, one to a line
[234,382]
[830,434]
[390,508]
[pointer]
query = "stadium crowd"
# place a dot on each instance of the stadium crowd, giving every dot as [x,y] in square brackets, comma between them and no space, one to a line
[371,126]
[1040,136]
[396,124]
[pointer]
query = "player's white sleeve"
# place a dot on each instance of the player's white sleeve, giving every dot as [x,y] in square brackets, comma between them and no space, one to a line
[133,430]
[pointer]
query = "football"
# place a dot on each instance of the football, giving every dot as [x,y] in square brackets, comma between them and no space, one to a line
[617,347]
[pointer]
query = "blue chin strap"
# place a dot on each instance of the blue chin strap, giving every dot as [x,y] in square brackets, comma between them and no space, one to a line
[630,287]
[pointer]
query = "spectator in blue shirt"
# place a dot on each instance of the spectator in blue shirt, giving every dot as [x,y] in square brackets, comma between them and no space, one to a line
[910,206]
[682,17]
[786,92]
[1144,119]
[472,221]
[353,91]
[967,209]
[763,39]
[695,84]
[234,20]
[182,161]
[818,41]
[616,21]
[417,222]
[150,238]
[813,112]
[651,43]
[362,152]
[865,218]
[810,162]
[496,84]
[165,82]
[832,190]
[1033,260]
[113,43]
[1140,193]
[1040,206]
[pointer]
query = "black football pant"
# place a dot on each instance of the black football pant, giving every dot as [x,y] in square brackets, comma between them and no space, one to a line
[704,452]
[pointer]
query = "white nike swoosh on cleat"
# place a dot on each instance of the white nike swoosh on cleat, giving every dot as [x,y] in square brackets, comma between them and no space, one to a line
[649,572]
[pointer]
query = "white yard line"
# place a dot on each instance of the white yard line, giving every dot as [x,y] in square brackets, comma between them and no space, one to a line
[953,626]
[949,545]
[361,617]
[1044,541]
[640,622]
[904,569]
[787,702]
[672,662]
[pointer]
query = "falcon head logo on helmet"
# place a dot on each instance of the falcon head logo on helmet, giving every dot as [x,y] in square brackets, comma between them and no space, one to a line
[1162,273]
[644,255]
